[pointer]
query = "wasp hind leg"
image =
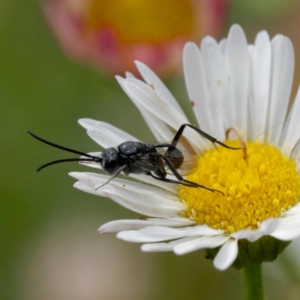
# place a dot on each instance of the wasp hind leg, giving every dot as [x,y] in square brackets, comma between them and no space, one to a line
[204,134]
[180,180]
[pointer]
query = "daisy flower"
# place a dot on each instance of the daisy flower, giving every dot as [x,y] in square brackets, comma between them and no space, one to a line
[108,35]
[230,84]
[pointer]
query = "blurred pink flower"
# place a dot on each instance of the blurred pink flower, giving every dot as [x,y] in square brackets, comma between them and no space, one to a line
[110,35]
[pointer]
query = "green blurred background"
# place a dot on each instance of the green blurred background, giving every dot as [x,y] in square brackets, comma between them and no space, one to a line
[50,247]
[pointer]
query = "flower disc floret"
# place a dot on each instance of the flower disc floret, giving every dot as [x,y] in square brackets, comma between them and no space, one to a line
[263,185]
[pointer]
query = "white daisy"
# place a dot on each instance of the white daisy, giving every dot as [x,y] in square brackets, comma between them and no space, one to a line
[230,85]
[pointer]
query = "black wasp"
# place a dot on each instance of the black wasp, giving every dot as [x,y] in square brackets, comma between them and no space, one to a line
[143,158]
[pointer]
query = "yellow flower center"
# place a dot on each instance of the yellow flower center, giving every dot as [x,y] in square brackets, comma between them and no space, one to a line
[143,21]
[263,185]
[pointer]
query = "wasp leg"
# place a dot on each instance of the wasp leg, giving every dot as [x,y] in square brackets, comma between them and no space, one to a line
[161,168]
[194,185]
[184,183]
[181,180]
[163,145]
[204,134]
[110,179]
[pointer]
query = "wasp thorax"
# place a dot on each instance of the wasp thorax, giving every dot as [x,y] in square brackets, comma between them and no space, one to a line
[110,161]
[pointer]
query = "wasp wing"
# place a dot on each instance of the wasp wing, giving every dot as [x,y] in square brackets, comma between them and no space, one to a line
[188,166]
[190,161]
[147,161]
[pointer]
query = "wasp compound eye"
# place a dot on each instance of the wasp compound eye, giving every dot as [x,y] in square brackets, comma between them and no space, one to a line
[110,161]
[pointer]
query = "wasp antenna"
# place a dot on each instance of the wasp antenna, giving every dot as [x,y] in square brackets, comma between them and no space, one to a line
[63,160]
[60,147]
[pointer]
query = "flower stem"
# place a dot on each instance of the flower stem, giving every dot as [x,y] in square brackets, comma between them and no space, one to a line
[253,282]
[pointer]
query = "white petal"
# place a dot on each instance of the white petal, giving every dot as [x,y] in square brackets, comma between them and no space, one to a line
[288,221]
[147,236]
[198,230]
[161,233]
[200,243]
[153,80]
[197,87]
[226,255]
[139,192]
[267,227]
[238,67]
[148,210]
[223,45]
[281,84]
[78,185]
[90,124]
[291,133]
[287,232]
[250,117]
[120,225]
[202,230]
[91,164]
[219,85]
[105,139]
[94,180]
[129,75]
[295,154]
[149,99]
[261,84]
[294,210]
[156,125]
[164,247]
[163,185]
[291,215]
[134,201]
